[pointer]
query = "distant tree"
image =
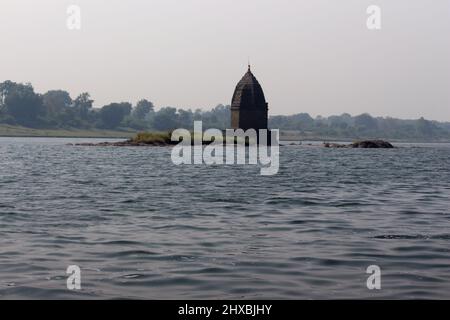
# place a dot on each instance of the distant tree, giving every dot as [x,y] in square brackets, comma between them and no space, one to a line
[366,123]
[165,119]
[142,109]
[21,103]
[82,105]
[113,114]
[300,121]
[219,117]
[185,118]
[58,111]
[425,127]
[56,101]
[5,88]
[198,114]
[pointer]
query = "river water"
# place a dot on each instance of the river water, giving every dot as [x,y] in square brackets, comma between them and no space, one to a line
[140,227]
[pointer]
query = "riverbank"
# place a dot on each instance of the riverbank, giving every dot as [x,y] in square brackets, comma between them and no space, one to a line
[17,131]
[292,136]
[141,139]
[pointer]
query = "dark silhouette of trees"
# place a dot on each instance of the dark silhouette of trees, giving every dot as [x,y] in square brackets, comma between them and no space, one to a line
[20,105]
[82,105]
[143,109]
[57,104]
[112,115]
[165,119]
[56,101]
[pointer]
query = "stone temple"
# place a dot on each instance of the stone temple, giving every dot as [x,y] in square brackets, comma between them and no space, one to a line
[249,109]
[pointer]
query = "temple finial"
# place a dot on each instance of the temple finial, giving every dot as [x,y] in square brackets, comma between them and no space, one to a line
[249,66]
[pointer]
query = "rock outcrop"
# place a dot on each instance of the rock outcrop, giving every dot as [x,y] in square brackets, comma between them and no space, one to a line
[372,144]
[366,144]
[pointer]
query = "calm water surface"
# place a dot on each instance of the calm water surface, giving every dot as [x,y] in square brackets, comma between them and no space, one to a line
[140,227]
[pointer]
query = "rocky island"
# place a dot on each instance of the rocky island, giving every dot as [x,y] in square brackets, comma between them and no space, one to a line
[366,144]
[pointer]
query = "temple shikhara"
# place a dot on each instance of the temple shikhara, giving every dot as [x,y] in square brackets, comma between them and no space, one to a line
[249,109]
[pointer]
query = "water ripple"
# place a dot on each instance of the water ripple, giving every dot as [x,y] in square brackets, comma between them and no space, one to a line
[140,227]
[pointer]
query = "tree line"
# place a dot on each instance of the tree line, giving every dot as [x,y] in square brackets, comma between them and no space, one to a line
[21,105]
[346,126]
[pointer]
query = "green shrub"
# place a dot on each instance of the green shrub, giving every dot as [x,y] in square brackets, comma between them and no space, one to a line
[152,137]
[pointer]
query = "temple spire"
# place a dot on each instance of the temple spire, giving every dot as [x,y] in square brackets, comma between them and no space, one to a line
[248,105]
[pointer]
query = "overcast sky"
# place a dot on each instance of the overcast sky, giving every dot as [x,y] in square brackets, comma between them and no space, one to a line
[314,56]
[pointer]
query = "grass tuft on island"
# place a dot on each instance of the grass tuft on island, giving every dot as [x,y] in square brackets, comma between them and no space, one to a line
[19,131]
[152,138]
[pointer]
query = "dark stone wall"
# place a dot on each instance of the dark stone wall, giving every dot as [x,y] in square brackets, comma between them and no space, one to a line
[251,119]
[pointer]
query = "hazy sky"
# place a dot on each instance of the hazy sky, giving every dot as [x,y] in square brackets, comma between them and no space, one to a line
[314,56]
